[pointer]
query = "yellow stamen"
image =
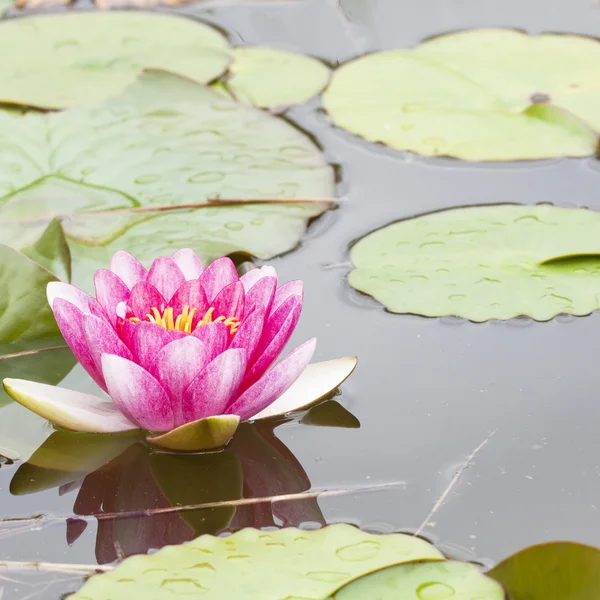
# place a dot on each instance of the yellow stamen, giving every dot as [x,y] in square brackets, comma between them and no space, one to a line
[184,321]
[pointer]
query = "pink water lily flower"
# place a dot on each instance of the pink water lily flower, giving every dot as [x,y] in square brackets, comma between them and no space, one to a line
[181,349]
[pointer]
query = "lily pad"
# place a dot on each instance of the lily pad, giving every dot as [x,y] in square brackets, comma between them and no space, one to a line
[257,77]
[486,262]
[424,580]
[134,168]
[257,564]
[59,61]
[484,94]
[552,571]
[52,251]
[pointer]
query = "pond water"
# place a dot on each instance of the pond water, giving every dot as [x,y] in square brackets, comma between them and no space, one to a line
[427,392]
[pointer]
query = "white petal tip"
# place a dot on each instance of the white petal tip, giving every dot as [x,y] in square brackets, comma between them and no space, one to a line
[316,382]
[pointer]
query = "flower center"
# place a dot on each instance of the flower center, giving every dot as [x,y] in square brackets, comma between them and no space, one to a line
[184,321]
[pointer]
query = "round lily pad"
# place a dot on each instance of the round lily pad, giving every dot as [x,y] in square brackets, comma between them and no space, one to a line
[486,262]
[484,94]
[257,74]
[425,580]
[255,564]
[117,175]
[58,61]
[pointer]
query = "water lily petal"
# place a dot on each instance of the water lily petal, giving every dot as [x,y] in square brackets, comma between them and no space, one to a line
[205,434]
[127,268]
[110,291]
[101,339]
[68,292]
[274,383]
[147,340]
[316,382]
[261,294]
[249,334]
[137,394]
[217,275]
[250,278]
[229,302]
[165,276]
[143,298]
[276,334]
[291,288]
[190,264]
[175,366]
[215,337]
[67,408]
[70,322]
[190,294]
[212,389]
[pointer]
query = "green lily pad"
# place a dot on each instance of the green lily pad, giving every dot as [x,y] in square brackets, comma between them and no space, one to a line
[52,251]
[256,76]
[552,571]
[59,61]
[484,94]
[288,563]
[21,431]
[164,143]
[424,580]
[5,6]
[486,262]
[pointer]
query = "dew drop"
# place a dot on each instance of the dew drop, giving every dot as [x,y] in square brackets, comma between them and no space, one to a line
[434,590]
[358,552]
[327,576]
[435,142]
[413,107]
[294,151]
[234,226]
[207,177]
[146,179]
[257,221]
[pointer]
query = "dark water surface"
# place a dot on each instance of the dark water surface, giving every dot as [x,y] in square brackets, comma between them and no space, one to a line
[427,392]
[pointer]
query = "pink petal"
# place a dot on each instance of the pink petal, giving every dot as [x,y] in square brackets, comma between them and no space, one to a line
[274,383]
[230,301]
[70,323]
[165,276]
[147,340]
[276,333]
[291,288]
[217,275]
[249,334]
[212,389]
[190,294]
[143,298]
[175,366]
[68,292]
[190,264]
[101,339]
[176,334]
[127,268]
[261,294]
[137,394]
[215,337]
[254,275]
[110,291]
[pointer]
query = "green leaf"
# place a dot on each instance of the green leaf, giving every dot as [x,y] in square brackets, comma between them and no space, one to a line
[115,173]
[24,312]
[261,76]
[552,571]
[484,94]
[58,61]
[21,431]
[5,6]
[426,580]
[52,251]
[257,564]
[488,262]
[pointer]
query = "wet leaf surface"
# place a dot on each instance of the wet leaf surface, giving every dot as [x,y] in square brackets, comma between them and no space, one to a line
[67,60]
[484,94]
[164,142]
[301,563]
[481,263]
[426,580]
